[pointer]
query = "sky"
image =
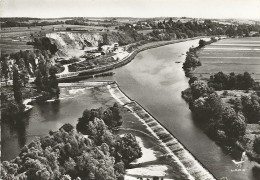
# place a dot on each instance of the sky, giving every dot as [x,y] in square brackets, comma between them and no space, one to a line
[245,9]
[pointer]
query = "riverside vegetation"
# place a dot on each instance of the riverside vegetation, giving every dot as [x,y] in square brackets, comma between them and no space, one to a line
[37,62]
[94,152]
[66,154]
[225,122]
[18,68]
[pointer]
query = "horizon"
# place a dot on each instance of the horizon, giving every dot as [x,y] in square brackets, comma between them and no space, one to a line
[118,17]
[205,9]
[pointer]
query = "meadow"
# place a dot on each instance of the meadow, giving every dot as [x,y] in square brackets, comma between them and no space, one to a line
[230,55]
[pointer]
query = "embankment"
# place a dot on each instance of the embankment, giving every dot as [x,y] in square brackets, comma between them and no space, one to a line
[76,76]
[175,150]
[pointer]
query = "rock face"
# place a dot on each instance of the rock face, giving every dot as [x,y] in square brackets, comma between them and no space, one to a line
[74,43]
[75,40]
[68,42]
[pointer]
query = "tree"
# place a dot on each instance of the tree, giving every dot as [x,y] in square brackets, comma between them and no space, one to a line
[17,84]
[87,116]
[99,133]
[112,117]
[127,149]
[12,109]
[38,81]
[248,81]
[67,127]
[5,68]
[234,124]
[208,107]
[251,108]
[256,145]
[62,155]
[202,43]
[24,77]
[53,82]
[199,88]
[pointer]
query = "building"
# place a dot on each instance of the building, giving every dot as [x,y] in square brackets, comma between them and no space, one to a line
[107,48]
[116,45]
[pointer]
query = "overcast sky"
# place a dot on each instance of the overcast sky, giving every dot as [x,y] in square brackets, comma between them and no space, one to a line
[247,9]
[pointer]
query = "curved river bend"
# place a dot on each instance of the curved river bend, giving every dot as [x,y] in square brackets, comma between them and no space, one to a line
[154,79]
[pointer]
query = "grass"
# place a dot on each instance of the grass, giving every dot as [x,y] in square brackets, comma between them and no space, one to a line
[252,130]
[214,60]
[233,94]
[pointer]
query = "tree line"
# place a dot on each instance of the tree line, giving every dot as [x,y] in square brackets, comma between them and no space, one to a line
[232,81]
[19,67]
[221,121]
[194,28]
[192,60]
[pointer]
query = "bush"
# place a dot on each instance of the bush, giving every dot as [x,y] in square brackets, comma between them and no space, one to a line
[44,43]
[12,110]
[202,43]
[111,116]
[67,127]
[221,81]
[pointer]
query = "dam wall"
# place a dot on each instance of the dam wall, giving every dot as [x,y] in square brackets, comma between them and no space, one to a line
[175,149]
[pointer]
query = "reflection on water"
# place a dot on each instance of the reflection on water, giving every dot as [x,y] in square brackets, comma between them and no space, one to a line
[10,129]
[47,116]
[153,79]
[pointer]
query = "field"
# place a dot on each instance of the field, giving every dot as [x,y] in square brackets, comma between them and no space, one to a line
[15,38]
[230,55]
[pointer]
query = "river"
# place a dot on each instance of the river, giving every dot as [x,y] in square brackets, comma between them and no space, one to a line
[155,79]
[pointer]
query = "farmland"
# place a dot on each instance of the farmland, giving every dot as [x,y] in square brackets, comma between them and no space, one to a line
[230,55]
[14,39]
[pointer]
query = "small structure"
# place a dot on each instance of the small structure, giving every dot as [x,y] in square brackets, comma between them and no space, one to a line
[107,48]
[116,45]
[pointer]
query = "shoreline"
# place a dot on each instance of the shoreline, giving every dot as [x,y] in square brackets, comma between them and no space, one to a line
[177,153]
[238,145]
[85,74]
[176,150]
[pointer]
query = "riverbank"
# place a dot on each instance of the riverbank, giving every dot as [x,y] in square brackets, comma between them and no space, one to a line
[76,76]
[210,106]
[176,152]
[162,151]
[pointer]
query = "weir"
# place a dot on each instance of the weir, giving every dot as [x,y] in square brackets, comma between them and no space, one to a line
[176,151]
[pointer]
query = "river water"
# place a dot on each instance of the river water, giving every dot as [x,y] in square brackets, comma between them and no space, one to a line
[155,79]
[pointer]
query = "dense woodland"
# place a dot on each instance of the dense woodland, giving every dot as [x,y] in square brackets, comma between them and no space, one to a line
[167,29]
[20,67]
[66,154]
[222,122]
